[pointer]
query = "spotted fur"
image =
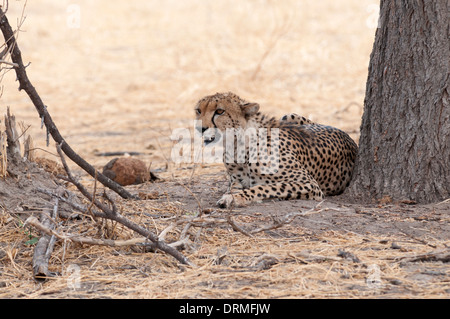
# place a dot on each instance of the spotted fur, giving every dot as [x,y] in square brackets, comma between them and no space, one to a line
[313,160]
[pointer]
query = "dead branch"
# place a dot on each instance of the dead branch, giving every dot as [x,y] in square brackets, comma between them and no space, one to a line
[12,135]
[442,255]
[202,221]
[44,247]
[413,237]
[112,214]
[3,154]
[311,258]
[33,221]
[25,84]
[28,151]
[9,63]
[444,201]
[277,221]
[237,227]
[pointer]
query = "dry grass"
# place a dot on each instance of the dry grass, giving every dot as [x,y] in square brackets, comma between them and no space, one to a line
[131,73]
[290,263]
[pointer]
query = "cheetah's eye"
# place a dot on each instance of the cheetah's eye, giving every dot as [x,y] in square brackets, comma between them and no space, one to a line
[220,111]
[198,111]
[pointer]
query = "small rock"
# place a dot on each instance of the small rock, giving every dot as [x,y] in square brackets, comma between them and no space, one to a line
[127,171]
[347,255]
[396,282]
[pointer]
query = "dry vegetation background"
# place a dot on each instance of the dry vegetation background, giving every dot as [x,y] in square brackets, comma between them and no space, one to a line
[119,76]
[129,73]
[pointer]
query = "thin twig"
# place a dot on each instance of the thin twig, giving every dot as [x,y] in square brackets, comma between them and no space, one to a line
[436,255]
[444,201]
[277,221]
[93,194]
[9,63]
[413,237]
[200,209]
[78,207]
[236,227]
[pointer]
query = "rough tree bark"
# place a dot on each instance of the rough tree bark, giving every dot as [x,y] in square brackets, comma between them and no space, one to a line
[404,148]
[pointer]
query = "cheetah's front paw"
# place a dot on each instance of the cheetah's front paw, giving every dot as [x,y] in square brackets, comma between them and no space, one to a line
[229,200]
[226,201]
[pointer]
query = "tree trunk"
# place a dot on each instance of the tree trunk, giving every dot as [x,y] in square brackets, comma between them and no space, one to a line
[404,148]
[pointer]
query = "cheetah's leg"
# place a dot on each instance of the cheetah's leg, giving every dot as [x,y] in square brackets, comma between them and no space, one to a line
[233,184]
[235,177]
[281,190]
[295,119]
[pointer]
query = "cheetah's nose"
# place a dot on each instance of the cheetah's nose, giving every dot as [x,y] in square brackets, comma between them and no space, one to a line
[201,129]
[209,134]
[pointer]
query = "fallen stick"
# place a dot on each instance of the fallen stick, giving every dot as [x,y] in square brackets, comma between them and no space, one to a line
[277,221]
[49,231]
[9,63]
[308,257]
[45,245]
[33,221]
[442,255]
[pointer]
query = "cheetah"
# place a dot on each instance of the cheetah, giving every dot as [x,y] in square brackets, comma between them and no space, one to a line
[297,159]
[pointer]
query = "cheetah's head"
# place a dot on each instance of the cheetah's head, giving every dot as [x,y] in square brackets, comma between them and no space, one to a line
[221,111]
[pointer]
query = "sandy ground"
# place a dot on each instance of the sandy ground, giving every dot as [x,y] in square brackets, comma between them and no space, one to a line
[121,77]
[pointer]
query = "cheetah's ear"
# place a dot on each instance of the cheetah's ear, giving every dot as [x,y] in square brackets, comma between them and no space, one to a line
[250,109]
